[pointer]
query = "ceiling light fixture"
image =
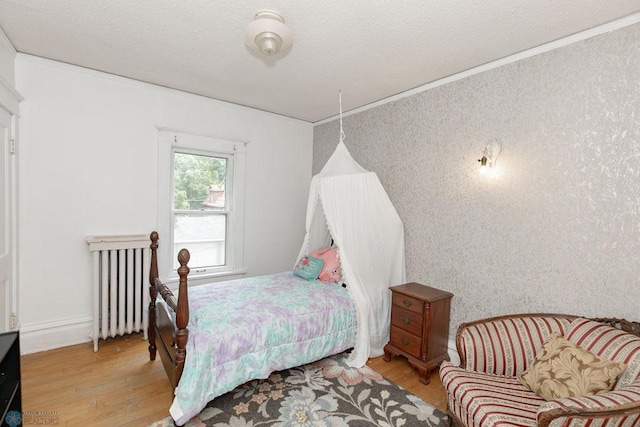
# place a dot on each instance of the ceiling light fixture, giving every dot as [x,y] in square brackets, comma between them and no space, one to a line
[268,33]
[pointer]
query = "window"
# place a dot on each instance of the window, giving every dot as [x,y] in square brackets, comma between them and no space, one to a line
[199,214]
[201,204]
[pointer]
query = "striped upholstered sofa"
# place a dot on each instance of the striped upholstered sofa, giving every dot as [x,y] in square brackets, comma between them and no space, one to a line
[485,390]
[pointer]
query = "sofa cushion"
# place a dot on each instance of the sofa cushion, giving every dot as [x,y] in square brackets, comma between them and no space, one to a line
[562,369]
[628,396]
[505,346]
[480,399]
[608,342]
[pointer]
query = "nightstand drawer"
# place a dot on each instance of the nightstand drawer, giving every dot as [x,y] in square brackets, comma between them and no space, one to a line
[406,341]
[407,320]
[409,303]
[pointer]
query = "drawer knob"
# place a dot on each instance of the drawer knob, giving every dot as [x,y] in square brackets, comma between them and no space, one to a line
[406,320]
[406,303]
[405,341]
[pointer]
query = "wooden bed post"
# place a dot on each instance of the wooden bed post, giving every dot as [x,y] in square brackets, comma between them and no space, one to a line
[182,315]
[153,292]
[174,352]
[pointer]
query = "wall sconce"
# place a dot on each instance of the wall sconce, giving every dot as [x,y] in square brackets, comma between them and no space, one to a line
[268,33]
[490,155]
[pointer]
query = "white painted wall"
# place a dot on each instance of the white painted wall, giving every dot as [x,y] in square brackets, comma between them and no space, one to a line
[88,166]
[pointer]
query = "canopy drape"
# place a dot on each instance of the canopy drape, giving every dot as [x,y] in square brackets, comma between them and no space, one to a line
[349,205]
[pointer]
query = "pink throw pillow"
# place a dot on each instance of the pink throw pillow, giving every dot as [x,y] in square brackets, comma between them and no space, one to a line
[331,269]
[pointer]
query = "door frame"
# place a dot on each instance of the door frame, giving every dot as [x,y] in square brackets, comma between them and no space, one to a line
[10,102]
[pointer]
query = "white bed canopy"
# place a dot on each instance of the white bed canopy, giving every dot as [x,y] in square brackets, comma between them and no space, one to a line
[349,204]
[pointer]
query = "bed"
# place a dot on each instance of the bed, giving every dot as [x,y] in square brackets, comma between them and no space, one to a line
[235,331]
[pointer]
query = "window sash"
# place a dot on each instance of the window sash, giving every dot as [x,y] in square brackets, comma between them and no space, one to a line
[208,254]
[199,152]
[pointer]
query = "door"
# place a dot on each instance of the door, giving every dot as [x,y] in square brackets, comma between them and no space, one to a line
[8,296]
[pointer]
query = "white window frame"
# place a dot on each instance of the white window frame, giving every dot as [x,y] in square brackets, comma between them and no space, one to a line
[170,142]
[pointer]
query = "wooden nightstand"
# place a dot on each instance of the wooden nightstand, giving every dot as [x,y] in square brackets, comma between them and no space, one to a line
[419,327]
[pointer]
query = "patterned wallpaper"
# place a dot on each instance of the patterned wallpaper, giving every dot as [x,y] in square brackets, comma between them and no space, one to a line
[556,228]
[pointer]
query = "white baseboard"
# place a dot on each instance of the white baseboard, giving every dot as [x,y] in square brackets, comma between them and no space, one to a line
[41,336]
[454,357]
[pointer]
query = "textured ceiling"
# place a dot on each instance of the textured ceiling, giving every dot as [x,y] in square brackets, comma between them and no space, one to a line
[369,49]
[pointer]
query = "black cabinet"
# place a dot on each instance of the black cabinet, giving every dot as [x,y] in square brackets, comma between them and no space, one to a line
[10,394]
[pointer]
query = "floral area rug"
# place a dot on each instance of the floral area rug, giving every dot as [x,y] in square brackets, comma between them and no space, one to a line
[324,393]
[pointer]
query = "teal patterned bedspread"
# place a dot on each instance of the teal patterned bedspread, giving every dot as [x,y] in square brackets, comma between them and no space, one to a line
[245,329]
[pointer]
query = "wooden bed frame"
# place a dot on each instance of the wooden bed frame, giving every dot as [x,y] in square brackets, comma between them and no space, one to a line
[165,335]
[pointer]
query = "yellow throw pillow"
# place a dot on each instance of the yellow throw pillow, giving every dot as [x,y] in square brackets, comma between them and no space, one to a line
[562,369]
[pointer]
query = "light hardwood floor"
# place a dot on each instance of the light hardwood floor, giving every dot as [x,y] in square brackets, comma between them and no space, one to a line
[119,386]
